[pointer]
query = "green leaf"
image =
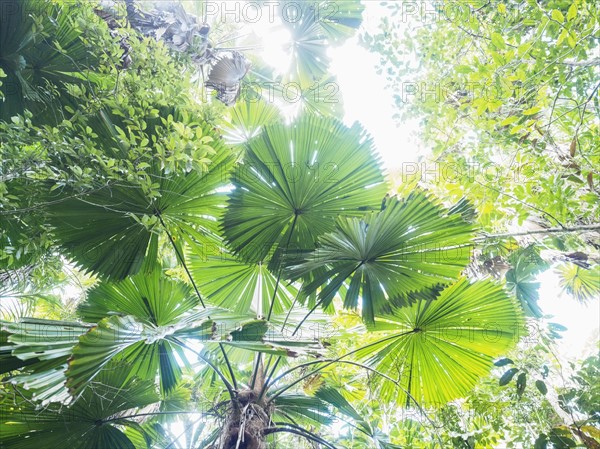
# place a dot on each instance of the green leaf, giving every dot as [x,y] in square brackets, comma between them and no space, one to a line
[509,120]
[150,298]
[507,376]
[541,442]
[409,246]
[521,383]
[558,16]
[294,181]
[521,281]
[311,410]
[498,41]
[332,396]
[43,347]
[317,27]
[238,286]
[103,231]
[572,12]
[247,118]
[143,348]
[503,362]
[438,349]
[87,424]
[581,283]
[541,386]
[36,61]
[532,111]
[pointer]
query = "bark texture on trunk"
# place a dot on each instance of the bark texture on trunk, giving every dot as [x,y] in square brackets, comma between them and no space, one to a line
[244,427]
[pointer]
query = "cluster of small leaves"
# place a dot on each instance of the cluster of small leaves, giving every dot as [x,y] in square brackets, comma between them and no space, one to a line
[113,125]
[508,101]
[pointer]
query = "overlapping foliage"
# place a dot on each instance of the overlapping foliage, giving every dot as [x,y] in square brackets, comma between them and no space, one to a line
[205,264]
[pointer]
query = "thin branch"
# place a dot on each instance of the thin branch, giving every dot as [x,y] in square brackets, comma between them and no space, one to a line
[568,62]
[581,228]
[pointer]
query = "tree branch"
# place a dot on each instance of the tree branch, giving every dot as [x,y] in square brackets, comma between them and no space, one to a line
[581,228]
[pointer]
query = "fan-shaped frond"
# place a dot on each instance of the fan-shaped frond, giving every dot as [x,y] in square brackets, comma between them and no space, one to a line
[94,422]
[294,181]
[110,231]
[409,246]
[438,349]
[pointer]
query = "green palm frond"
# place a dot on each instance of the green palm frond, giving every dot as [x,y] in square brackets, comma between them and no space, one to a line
[340,19]
[42,48]
[409,246]
[95,421]
[238,286]
[151,298]
[247,118]
[144,348]
[303,409]
[294,181]
[521,280]
[437,349]
[110,231]
[333,397]
[583,284]
[42,347]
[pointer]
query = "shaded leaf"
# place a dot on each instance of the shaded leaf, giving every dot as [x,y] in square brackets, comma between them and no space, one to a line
[507,376]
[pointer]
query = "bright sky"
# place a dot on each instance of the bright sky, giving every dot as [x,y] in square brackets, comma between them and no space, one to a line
[366,99]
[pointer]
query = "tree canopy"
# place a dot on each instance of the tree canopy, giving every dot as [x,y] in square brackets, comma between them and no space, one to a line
[191,259]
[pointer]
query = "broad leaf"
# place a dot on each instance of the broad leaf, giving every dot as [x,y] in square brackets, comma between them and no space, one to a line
[520,280]
[151,298]
[95,421]
[43,347]
[247,119]
[581,283]
[144,348]
[105,233]
[303,409]
[410,246]
[314,26]
[294,181]
[240,287]
[37,65]
[437,350]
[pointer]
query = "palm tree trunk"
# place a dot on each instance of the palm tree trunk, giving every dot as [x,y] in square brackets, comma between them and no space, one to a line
[245,426]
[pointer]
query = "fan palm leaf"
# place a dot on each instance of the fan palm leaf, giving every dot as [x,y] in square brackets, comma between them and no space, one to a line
[238,286]
[438,349]
[294,181]
[247,118]
[43,348]
[313,28]
[104,231]
[34,63]
[581,283]
[151,298]
[409,246]
[96,421]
